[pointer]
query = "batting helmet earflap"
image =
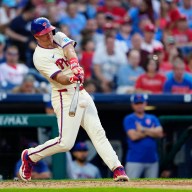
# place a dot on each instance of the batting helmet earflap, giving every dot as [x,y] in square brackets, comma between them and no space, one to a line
[41,26]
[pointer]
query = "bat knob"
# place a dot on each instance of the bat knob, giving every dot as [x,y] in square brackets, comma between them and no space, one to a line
[71,114]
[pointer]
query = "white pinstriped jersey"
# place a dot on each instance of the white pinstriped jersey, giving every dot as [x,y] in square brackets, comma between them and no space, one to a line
[51,61]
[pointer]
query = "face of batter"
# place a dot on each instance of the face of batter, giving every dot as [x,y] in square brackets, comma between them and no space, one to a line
[45,40]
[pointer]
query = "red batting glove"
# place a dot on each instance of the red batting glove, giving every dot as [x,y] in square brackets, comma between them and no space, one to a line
[73,62]
[75,67]
[78,71]
[75,79]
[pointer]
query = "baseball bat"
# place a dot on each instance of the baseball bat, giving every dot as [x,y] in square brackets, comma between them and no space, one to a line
[74,102]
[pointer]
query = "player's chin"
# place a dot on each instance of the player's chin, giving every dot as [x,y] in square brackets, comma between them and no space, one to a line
[50,39]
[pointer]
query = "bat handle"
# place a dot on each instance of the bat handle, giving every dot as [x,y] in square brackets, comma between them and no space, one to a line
[78,83]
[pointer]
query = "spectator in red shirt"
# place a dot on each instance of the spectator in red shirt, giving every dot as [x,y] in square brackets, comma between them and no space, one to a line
[169,14]
[111,7]
[151,81]
[87,57]
[181,33]
[164,18]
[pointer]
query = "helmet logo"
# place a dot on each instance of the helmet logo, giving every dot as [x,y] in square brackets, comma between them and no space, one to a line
[44,24]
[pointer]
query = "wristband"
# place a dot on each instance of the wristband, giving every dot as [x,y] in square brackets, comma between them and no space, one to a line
[73,63]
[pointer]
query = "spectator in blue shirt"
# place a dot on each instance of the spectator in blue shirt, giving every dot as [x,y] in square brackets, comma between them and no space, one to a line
[128,74]
[19,34]
[74,20]
[91,9]
[40,169]
[124,33]
[186,9]
[80,167]
[142,129]
[144,9]
[178,83]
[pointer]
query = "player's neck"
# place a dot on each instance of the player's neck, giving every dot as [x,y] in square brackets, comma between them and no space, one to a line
[46,45]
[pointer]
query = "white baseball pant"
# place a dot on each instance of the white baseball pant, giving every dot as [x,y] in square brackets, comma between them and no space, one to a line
[87,117]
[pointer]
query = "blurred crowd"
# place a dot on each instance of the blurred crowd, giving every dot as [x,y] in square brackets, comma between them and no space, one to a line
[124,46]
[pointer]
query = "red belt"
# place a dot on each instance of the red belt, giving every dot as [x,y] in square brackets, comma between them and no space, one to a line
[66,90]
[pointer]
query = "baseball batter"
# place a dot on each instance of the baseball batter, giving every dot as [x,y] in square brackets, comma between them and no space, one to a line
[56,60]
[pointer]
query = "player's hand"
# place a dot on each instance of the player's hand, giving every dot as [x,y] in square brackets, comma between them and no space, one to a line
[81,78]
[75,79]
[78,71]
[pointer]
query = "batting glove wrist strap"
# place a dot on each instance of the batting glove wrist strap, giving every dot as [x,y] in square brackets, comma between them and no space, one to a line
[73,79]
[73,63]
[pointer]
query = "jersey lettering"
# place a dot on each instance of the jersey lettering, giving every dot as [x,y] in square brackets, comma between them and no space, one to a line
[61,63]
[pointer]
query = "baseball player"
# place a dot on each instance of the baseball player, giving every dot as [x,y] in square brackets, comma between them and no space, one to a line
[56,60]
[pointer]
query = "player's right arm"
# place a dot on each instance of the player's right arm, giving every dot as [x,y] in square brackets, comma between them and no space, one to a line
[51,71]
[64,80]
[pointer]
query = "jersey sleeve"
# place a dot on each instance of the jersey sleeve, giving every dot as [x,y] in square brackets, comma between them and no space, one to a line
[129,123]
[62,40]
[47,68]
